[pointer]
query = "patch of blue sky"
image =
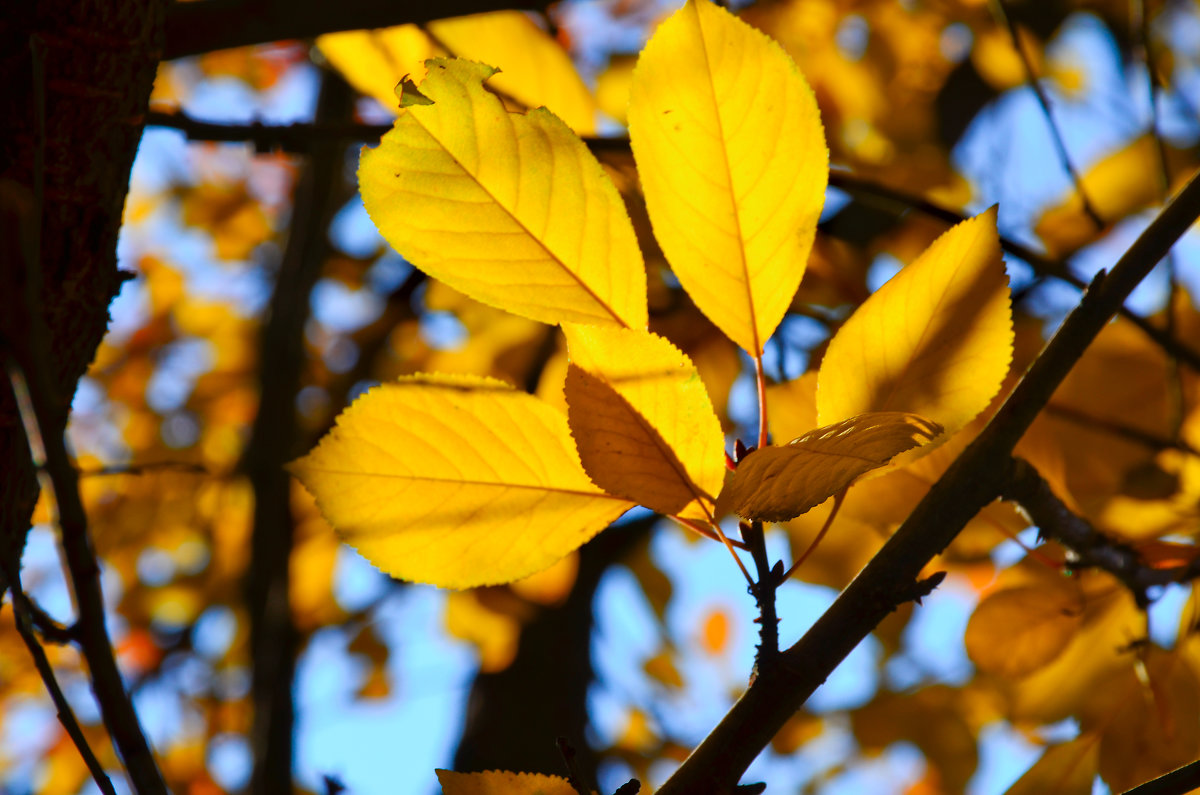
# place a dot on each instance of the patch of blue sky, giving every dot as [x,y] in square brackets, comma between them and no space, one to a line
[353,232]
[392,744]
[343,309]
[442,331]
[933,648]
[214,631]
[895,770]
[180,363]
[1004,755]
[626,634]
[1166,614]
[229,761]
[356,583]
[388,272]
[835,201]
[881,270]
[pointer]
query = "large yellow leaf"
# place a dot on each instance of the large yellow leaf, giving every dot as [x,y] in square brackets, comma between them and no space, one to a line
[502,782]
[780,483]
[456,481]
[642,420]
[1017,631]
[936,340]
[509,208]
[732,157]
[534,68]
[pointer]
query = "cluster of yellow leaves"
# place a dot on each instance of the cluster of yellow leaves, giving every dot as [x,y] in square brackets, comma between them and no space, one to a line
[463,481]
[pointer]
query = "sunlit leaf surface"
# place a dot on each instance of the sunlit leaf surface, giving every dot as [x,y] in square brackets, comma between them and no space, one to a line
[732,157]
[509,208]
[642,420]
[455,481]
[936,340]
[780,483]
[1015,632]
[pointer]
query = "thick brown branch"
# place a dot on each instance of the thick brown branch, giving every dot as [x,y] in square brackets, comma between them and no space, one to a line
[194,28]
[975,479]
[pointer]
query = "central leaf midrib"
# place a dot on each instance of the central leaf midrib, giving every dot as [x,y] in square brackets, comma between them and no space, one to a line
[475,178]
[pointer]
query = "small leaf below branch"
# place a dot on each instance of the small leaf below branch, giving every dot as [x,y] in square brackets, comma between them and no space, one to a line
[780,483]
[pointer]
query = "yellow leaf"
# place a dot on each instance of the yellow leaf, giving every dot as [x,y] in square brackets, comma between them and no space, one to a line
[494,633]
[715,631]
[1020,630]
[374,61]
[1065,769]
[732,157]
[1152,726]
[455,481]
[661,667]
[509,208]
[780,483]
[1116,185]
[642,420]
[534,68]
[936,340]
[502,782]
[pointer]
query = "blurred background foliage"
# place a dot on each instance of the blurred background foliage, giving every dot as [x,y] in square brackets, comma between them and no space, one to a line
[264,302]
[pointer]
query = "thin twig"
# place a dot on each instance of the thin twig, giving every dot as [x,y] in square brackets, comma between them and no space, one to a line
[1031,78]
[50,456]
[763,591]
[1089,547]
[22,616]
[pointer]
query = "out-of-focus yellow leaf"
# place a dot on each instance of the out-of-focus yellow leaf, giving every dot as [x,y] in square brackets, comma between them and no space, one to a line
[494,633]
[1017,631]
[715,631]
[1065,769]
[998,63]
[233,217]
[638,734]
[1099,649]
[799,729]
[534,68]
[1151,726]
[642,420]
[780,483]
[509,208]
[1116,185]
[550,586]
[661,667]
[374,61]
[455,481]
[502,782]
[936,340]
[612,87]
[732,157]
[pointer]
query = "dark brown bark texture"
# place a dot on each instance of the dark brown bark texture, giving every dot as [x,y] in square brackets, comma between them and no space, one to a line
[76,77]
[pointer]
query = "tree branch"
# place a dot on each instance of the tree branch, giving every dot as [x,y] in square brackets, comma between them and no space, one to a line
[23,617]
[1089,547]
[972,481]
[273,442]
[193,28]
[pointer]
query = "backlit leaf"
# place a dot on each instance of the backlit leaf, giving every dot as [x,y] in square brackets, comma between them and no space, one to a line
[502,782]
[780,483]
[1116,185]
[642,420]
[732,157]
[1065,769]
[375,61]
[509,208]
[936,340]
[455,481]
[1017,631]
[534,68]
